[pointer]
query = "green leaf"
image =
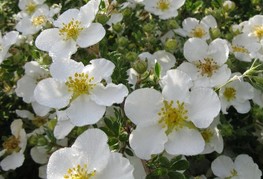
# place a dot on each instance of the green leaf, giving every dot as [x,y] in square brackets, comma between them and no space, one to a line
[180,165]
[157,70]
[129,152]
[164,161]
[176,175]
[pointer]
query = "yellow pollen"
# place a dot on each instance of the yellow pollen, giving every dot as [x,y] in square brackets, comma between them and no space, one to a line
[71,30]
[31,8]
[207,135]
[80,84]
[230,93]
[12,144]
[239,49]
[163,5]
[198,31]
[39,20]
[172,117]
[258,31]
[207,67]
[79,172]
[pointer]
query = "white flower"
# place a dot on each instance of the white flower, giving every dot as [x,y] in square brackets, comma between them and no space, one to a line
[243,167]
[6,42]
[172,117]
[30,25]
[254,27]
[30,6]
[237,94]
[89,157]
[213,138]
[165,9]
[199,29]
[139,172]
[14,147]
[26,86]
[81,87]
[244,47]
[206,63]
[73,28]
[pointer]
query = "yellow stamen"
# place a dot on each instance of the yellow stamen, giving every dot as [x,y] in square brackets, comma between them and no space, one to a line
[207,67]
[239,49]
[198,32]
[39,20]
[71,30]
[80,84]
[258,31]
[12,144]
[230,93]
[163,5]
[79,172]
[207,135]
[31,8]
[39,121]
[172,117]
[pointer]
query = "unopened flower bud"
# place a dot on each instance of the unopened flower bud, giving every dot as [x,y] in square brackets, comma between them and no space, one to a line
[170,45]
[117,27]
[41,140]
[229,6]
[131,56]
[149,27]
[215,33]
[102,18]
[122,41]
[32,141]
[172,24]
[140,66]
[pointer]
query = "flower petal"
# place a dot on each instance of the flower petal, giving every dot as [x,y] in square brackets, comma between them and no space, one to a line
[83,111]
[195,49]
[222,166]
[52,93]
[100,68]
[176,79]
[12,161]
[88,12]
[219,51]
[47,38]
[110,94]
[179,140]
[204,107]
[63,128]
[93,142]
[117,167]
[90,36]
[143,104]
[62,69]
[147,139]
[63,49]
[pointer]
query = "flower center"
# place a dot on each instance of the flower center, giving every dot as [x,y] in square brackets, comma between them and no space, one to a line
[39,121]
[71,30]
[80,84]
[31,7]
[11,144]
[233,174]
[207,67]
[79,172]
[172,117]
[258,31]
[230,93]
[239,49]
[207,135]
[39,20]
[198,31]
[163,5]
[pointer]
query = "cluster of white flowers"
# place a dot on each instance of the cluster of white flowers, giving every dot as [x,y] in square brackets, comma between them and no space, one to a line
[179,117]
